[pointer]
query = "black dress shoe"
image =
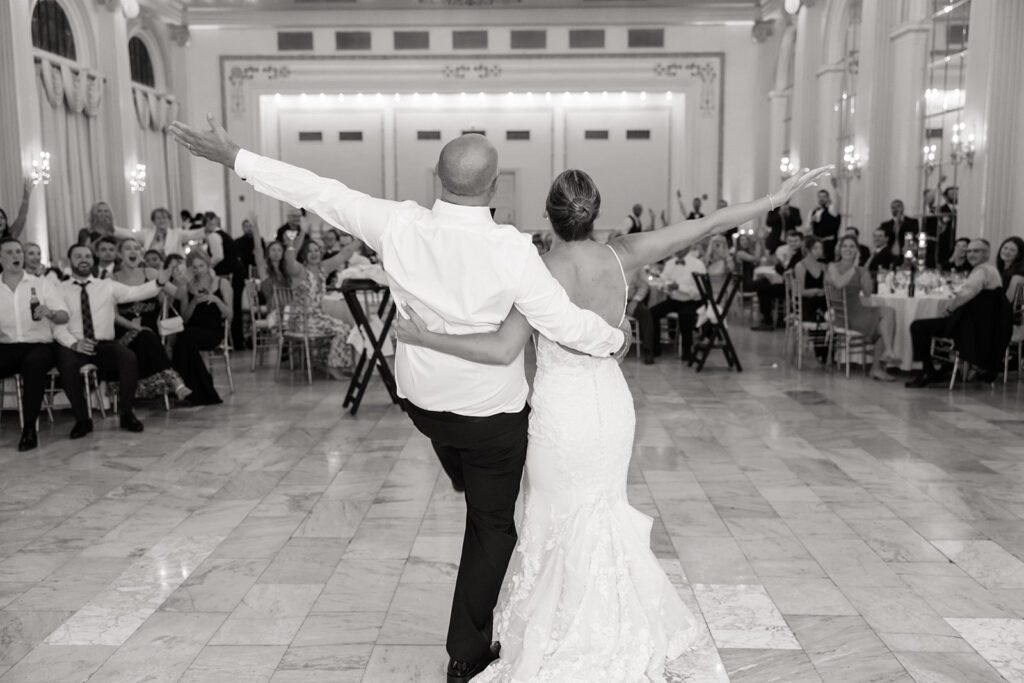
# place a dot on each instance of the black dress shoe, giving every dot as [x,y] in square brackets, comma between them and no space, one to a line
[81,428]
[922,380]
[29,440]
[648,360]
[460,672]
[130,423]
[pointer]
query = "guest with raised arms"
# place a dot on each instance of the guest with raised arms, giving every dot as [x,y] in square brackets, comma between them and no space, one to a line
[877,324]
[136,326]
[13,229]
[29,307]
[89,337]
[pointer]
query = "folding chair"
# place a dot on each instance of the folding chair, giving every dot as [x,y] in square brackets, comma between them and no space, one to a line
[719,308]
[354,292]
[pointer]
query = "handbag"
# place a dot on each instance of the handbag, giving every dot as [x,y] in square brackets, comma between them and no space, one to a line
[170,324]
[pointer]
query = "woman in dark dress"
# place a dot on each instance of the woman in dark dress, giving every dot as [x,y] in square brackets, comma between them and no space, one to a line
[204,308]
[135,325]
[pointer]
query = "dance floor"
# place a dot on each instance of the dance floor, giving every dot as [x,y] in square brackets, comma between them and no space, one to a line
[822,529]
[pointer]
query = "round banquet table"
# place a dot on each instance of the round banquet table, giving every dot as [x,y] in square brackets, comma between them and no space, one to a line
[907,311]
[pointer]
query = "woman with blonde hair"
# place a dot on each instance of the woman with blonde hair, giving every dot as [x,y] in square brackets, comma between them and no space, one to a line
[206,308]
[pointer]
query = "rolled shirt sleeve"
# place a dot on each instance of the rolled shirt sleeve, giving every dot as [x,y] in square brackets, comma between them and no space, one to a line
[354,212]
[547,306]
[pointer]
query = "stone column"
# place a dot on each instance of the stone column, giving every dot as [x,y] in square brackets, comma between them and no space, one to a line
[119,113]
[995,61]
[909,45]
[806,117]
[20,127]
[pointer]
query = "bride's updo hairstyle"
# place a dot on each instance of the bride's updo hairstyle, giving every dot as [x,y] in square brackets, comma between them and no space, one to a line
[573,205]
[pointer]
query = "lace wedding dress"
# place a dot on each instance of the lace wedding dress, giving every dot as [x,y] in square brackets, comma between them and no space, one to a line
[584,598]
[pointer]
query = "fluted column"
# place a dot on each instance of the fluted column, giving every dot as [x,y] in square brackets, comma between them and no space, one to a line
[20,128]
[804,140]
[909,44]
[995,64]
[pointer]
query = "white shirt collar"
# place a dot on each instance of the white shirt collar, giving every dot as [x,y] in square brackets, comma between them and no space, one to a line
[458,212]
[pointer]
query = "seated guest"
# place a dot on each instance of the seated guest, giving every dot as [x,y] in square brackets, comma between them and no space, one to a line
[307,269]
[718,262]
[89,337]
[683,299]
[958,262]
[206,308]
[809,281]
[34,264]
[270,270]
[135,325]
[865,253]
[164,237]
[637,308]
[747,255]
[106,257]
[1010,265]
[876,324]
[101,224]
[900,230]
[882,256]
[26,336]
[770,287]
[978,319]
[153,259]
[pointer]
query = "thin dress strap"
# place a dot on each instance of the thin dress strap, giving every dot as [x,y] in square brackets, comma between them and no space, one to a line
[625,283]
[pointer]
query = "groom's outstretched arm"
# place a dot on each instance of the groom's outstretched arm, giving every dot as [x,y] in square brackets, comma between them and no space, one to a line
[358,214]
[548,309]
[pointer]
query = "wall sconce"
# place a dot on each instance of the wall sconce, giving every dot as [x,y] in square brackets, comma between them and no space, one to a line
[928,157]
[41,169]
[962,150]
[137,179]
[787,166]
[852,161]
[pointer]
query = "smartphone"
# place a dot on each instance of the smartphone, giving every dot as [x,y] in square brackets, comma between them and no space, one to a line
[291,234]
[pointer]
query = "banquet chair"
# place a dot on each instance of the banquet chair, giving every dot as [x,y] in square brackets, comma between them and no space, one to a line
[634,332]
[287,306]
[222,352]
[262,322]
[798,331]
[839,331]
[1016,345]
[17,397]
[944,349]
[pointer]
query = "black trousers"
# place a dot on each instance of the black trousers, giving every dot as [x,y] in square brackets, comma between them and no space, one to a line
[112,360]
[645,321]
[921,334]
[237,319]
[767,294]
[485,456]
[32,362]
[687,312]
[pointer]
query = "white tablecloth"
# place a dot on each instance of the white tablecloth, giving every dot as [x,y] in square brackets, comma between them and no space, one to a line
[907,311]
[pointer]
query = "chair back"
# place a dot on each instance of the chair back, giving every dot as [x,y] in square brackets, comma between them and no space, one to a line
[1017,309]
[284,304]
[794,302]
[252,298]
[835,298]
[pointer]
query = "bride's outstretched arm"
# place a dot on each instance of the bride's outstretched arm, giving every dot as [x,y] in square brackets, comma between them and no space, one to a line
[500,347]
[642,248]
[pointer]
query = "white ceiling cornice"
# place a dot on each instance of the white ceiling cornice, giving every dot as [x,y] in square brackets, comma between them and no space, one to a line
[169,11]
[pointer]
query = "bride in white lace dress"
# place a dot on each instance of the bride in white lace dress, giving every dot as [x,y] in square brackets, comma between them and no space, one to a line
[584,598]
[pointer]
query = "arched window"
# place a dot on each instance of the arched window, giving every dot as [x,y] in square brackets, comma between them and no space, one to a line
[140,62]
[51,30]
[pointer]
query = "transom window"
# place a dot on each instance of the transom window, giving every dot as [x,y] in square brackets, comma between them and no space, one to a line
[140,62]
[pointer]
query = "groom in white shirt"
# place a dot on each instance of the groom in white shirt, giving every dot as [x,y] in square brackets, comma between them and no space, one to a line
[463,273]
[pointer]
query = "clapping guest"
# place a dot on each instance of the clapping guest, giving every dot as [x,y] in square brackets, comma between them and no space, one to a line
[876,323]
[1010,265]
[89,337]
[136,326]
[205,306]
[306,268]
[26,335]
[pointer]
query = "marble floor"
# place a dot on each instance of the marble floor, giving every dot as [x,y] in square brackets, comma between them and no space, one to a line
[823,529]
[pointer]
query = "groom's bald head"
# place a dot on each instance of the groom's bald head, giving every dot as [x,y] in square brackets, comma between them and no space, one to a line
[468,168]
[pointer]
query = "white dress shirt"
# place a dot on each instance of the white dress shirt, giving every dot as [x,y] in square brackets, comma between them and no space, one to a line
[214,247]
[105,272]
[104,296]
[461,271]
[681,272]
[983,276]
[16,323]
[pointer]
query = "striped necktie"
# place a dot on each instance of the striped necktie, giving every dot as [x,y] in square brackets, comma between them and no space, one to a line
[87,329]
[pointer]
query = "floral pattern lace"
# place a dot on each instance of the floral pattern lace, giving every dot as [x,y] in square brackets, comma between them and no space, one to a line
[584,599]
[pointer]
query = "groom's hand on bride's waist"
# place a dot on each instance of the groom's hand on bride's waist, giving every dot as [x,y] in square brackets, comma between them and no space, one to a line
[627,332]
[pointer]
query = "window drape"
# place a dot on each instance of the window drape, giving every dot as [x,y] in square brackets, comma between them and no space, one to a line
[158,151]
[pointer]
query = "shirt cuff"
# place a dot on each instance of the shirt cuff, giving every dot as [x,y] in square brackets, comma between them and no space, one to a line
[64,337]
[245,161]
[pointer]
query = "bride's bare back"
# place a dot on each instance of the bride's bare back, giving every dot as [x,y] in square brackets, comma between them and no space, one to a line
[591,277]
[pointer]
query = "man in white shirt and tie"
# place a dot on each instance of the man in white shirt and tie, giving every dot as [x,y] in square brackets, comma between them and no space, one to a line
[88,337]
[683,299]
[463,273]
[29,306]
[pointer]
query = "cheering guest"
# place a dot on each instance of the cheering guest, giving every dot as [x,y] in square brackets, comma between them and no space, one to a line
[164,237]
[634,222]
[865,253]
[153,259]
[206,309]
[105,249]
[89,337]
[306,268]
[29,305]
[958,262]
[13,230]
[695,212]
[876,323]
[1010,265]
[780,222]
[137,328]
[101,224]
[825,221]
[292,225]
[683,299]
[882,256]
[978,319]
